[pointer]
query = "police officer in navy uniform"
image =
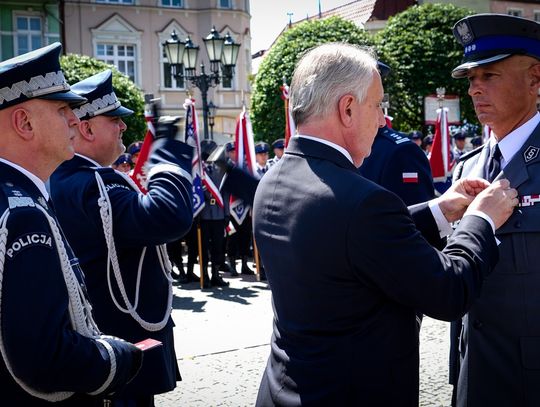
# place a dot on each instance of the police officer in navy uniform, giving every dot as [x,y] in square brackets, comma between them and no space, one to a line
[397,163]
[261,156]
[119,234]
[51,348]
[416,137]
[499,346]
[279,148]
[459,144]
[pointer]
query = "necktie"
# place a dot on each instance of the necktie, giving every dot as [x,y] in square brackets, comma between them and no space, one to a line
[494,163]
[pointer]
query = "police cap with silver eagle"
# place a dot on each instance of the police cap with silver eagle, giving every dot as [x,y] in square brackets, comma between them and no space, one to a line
[488,38]
[102,100]
[36,74]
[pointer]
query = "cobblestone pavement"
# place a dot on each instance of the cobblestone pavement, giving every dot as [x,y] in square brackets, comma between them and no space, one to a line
[222,343]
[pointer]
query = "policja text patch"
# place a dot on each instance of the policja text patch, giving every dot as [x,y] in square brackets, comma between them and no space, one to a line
[29,240]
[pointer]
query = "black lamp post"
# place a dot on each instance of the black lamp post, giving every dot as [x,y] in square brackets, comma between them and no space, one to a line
[222,52]
[211,118]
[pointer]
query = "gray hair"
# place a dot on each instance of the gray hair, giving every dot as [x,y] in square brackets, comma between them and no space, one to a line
[327,72]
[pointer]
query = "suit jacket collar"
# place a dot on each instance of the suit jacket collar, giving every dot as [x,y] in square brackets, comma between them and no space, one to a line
[310,148]
[11,174]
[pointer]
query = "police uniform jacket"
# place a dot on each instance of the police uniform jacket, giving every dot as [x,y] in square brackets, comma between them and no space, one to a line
[140,222]
[500,339]
[212,210]
[38,340]
[348,268]
[400,166]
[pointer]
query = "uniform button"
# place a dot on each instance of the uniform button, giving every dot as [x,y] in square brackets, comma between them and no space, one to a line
[477,324]
[517,224]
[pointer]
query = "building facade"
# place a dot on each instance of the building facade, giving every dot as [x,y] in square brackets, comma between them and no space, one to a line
[129,34]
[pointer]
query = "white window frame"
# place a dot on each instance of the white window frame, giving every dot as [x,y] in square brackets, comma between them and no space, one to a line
[229,7]
[116,58]
[181,5]
[28,33]
[536,15]
[116,2]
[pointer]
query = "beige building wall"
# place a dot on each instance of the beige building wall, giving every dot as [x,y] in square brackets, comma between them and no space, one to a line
[143,26]
[520,9]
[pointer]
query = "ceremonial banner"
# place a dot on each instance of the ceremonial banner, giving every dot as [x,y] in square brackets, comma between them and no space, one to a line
[440,159]
[245,158]
[139,172]
[192,139]
[290,128]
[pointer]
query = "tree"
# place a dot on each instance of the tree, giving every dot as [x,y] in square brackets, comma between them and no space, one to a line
[79,67]
[419,47]
[267,114]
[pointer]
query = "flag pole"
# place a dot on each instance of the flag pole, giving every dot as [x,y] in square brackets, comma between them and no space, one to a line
[199,245]
[256,258]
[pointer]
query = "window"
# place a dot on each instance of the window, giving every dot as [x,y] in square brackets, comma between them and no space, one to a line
[536,16]
[29,34]
[169,80]
[172,3]
[516,12]
[115,1]
[227,82]
[120,55]
[225,3]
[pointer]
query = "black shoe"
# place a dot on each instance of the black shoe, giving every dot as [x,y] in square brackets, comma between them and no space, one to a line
[217,281]
[246,270]
[227,268]
[206,281]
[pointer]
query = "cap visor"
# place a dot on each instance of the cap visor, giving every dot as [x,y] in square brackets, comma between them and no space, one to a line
[120,111]
[462,70]
[71,98]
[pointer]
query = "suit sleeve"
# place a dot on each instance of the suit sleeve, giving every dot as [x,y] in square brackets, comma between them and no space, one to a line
[408,158]
[241,184]
[388,252]
[40,344]
[165,213]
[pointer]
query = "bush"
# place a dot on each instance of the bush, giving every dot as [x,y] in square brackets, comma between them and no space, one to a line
[79,67]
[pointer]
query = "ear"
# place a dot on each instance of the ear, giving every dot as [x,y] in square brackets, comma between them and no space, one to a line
[85,129]
[22,123]
[534,72]
[345,106]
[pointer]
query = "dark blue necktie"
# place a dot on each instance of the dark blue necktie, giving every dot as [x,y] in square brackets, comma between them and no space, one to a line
[494,163]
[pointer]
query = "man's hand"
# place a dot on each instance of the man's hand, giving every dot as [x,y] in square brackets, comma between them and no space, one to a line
[497,201]
[458,197]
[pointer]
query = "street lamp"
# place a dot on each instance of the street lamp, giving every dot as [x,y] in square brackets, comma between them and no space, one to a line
[211,118]
[222,53]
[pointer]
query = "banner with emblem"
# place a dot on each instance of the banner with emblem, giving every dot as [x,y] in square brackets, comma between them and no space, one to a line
[290,128]
[192,139]
[245,158]
[139,172]
[440,159]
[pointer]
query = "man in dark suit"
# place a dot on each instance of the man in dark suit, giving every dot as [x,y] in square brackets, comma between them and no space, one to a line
[345,300]
[500,337]
[51,348]
[119,234]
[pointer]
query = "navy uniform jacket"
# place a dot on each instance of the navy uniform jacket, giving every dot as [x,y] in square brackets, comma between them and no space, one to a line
[163,215]
[500,341]
[344,300]
[211,209]
[392,155]
[39,343]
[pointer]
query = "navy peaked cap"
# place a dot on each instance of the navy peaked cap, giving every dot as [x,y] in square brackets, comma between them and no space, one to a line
[279,143]
[489,38]
[230,146]
[261,147]
[36,74]
[384,70]
[102,100]
[134,147]
[459,135]
[123,158]
[415,135]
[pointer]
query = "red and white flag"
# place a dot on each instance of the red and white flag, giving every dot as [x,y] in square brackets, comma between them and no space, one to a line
[245,158]
[139,172]
[410,177]
[290,128]
[440,160]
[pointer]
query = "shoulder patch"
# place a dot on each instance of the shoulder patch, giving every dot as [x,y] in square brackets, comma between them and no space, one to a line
[28,240]
[17,197]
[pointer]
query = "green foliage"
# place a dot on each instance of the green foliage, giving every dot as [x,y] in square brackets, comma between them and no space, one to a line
[267,113]
[419,47]
[79,67]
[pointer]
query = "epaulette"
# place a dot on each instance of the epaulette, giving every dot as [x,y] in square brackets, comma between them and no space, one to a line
[17,197]
[470,154]
[396,138]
